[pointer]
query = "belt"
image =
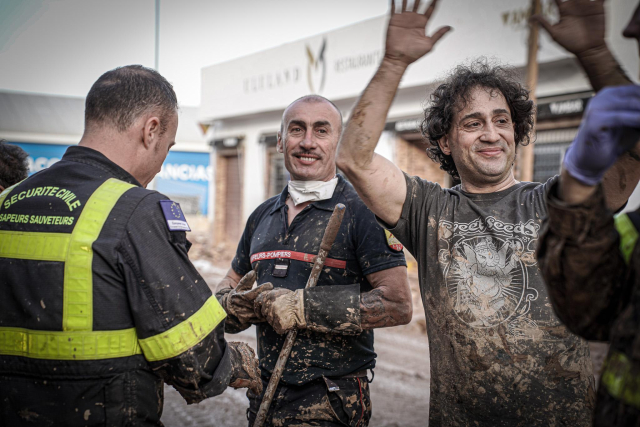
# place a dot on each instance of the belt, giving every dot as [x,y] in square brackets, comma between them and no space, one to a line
[358,374]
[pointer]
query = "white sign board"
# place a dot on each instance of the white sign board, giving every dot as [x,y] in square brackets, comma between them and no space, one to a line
[339,64]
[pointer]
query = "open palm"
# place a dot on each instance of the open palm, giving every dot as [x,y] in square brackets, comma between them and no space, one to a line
[406,39]
[581,25]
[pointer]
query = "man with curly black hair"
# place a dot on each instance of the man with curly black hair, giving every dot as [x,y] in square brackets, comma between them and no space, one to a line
[499,355]
[14,166]
[460,89]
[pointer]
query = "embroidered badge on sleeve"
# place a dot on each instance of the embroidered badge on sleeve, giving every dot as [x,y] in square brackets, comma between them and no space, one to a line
[393,242]
[174,216]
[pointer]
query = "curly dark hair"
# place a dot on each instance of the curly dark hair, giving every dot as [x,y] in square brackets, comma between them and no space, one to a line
[14,165]
[453,95]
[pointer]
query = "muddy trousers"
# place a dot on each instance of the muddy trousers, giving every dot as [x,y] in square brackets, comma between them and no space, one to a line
[322,402]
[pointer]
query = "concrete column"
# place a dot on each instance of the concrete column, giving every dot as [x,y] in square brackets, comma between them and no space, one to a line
[213,157]
[253,165]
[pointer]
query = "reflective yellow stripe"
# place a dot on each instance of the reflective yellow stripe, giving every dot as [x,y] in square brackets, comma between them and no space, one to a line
[34,246]
[619,380]
[182,337]
[76,341]
[628,235]
[5,193]
[77,309]
[68,345]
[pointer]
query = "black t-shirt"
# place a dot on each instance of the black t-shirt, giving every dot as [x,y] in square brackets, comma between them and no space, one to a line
[499,355]
[361,248]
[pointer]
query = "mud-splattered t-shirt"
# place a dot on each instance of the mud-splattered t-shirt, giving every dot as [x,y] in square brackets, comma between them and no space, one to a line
[499,355]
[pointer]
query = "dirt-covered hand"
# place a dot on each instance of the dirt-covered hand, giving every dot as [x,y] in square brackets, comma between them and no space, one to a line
[581,26]
[406,39]
[283,309]
[244,368]
[240,300]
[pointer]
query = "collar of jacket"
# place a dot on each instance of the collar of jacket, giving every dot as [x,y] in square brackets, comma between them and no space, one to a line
[92,157]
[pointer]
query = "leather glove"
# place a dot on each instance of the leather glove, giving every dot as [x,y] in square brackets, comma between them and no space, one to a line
[244,368]
[610,127]
[283,309]
[240,301]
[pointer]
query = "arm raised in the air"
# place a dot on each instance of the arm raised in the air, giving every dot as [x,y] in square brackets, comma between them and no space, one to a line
[379,182]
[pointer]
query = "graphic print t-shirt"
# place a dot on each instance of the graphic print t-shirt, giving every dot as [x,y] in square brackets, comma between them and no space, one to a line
[499,355]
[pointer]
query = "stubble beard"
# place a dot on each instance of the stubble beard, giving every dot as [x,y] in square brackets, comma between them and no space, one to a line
[482,173]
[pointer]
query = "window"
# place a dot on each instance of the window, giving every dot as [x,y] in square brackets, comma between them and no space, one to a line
[278,175]
[549,149]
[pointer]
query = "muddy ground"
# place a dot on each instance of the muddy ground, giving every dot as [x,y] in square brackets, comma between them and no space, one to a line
[399,392]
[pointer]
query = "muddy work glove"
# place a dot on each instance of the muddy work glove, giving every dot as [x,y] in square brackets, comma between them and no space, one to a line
[325,309]
[244,368]
[610,127]
[239,302]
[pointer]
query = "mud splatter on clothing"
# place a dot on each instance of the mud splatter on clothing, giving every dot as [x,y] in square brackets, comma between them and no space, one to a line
[283,255]
[326,402]
[499,355]
[596,293]
[138,276]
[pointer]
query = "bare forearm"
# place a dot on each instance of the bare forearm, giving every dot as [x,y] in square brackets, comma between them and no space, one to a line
[378,311]
[378,181]
[389,303]
[620,181]
[573,191]
[602,68]
[367,120]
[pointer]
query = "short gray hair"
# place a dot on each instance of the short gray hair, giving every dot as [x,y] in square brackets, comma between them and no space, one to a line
[311,98]
[121,95]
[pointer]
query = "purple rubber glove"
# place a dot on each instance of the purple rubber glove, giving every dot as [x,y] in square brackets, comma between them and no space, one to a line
[610,127]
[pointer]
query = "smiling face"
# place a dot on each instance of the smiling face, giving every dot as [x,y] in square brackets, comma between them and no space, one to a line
[309,138]
[482,139]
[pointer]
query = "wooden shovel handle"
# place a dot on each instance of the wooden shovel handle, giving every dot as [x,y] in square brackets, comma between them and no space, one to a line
[329,237]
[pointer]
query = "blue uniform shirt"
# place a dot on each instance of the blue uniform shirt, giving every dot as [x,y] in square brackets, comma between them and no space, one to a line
[361,248]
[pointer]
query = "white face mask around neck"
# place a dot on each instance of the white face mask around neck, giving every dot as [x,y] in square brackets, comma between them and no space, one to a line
[305,191]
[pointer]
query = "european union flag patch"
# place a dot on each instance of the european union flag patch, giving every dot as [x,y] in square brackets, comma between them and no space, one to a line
[174,216]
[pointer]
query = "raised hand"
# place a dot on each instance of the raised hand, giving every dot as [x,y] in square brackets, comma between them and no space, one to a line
[406,40]
[581,26]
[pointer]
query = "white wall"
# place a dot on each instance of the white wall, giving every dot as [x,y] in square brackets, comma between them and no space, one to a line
[246,96]
[271,79]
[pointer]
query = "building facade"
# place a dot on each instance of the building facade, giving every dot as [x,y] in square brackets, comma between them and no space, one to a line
[45,126]
[243,99]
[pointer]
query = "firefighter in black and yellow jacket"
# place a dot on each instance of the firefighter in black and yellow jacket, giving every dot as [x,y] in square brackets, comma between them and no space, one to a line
[99,302]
